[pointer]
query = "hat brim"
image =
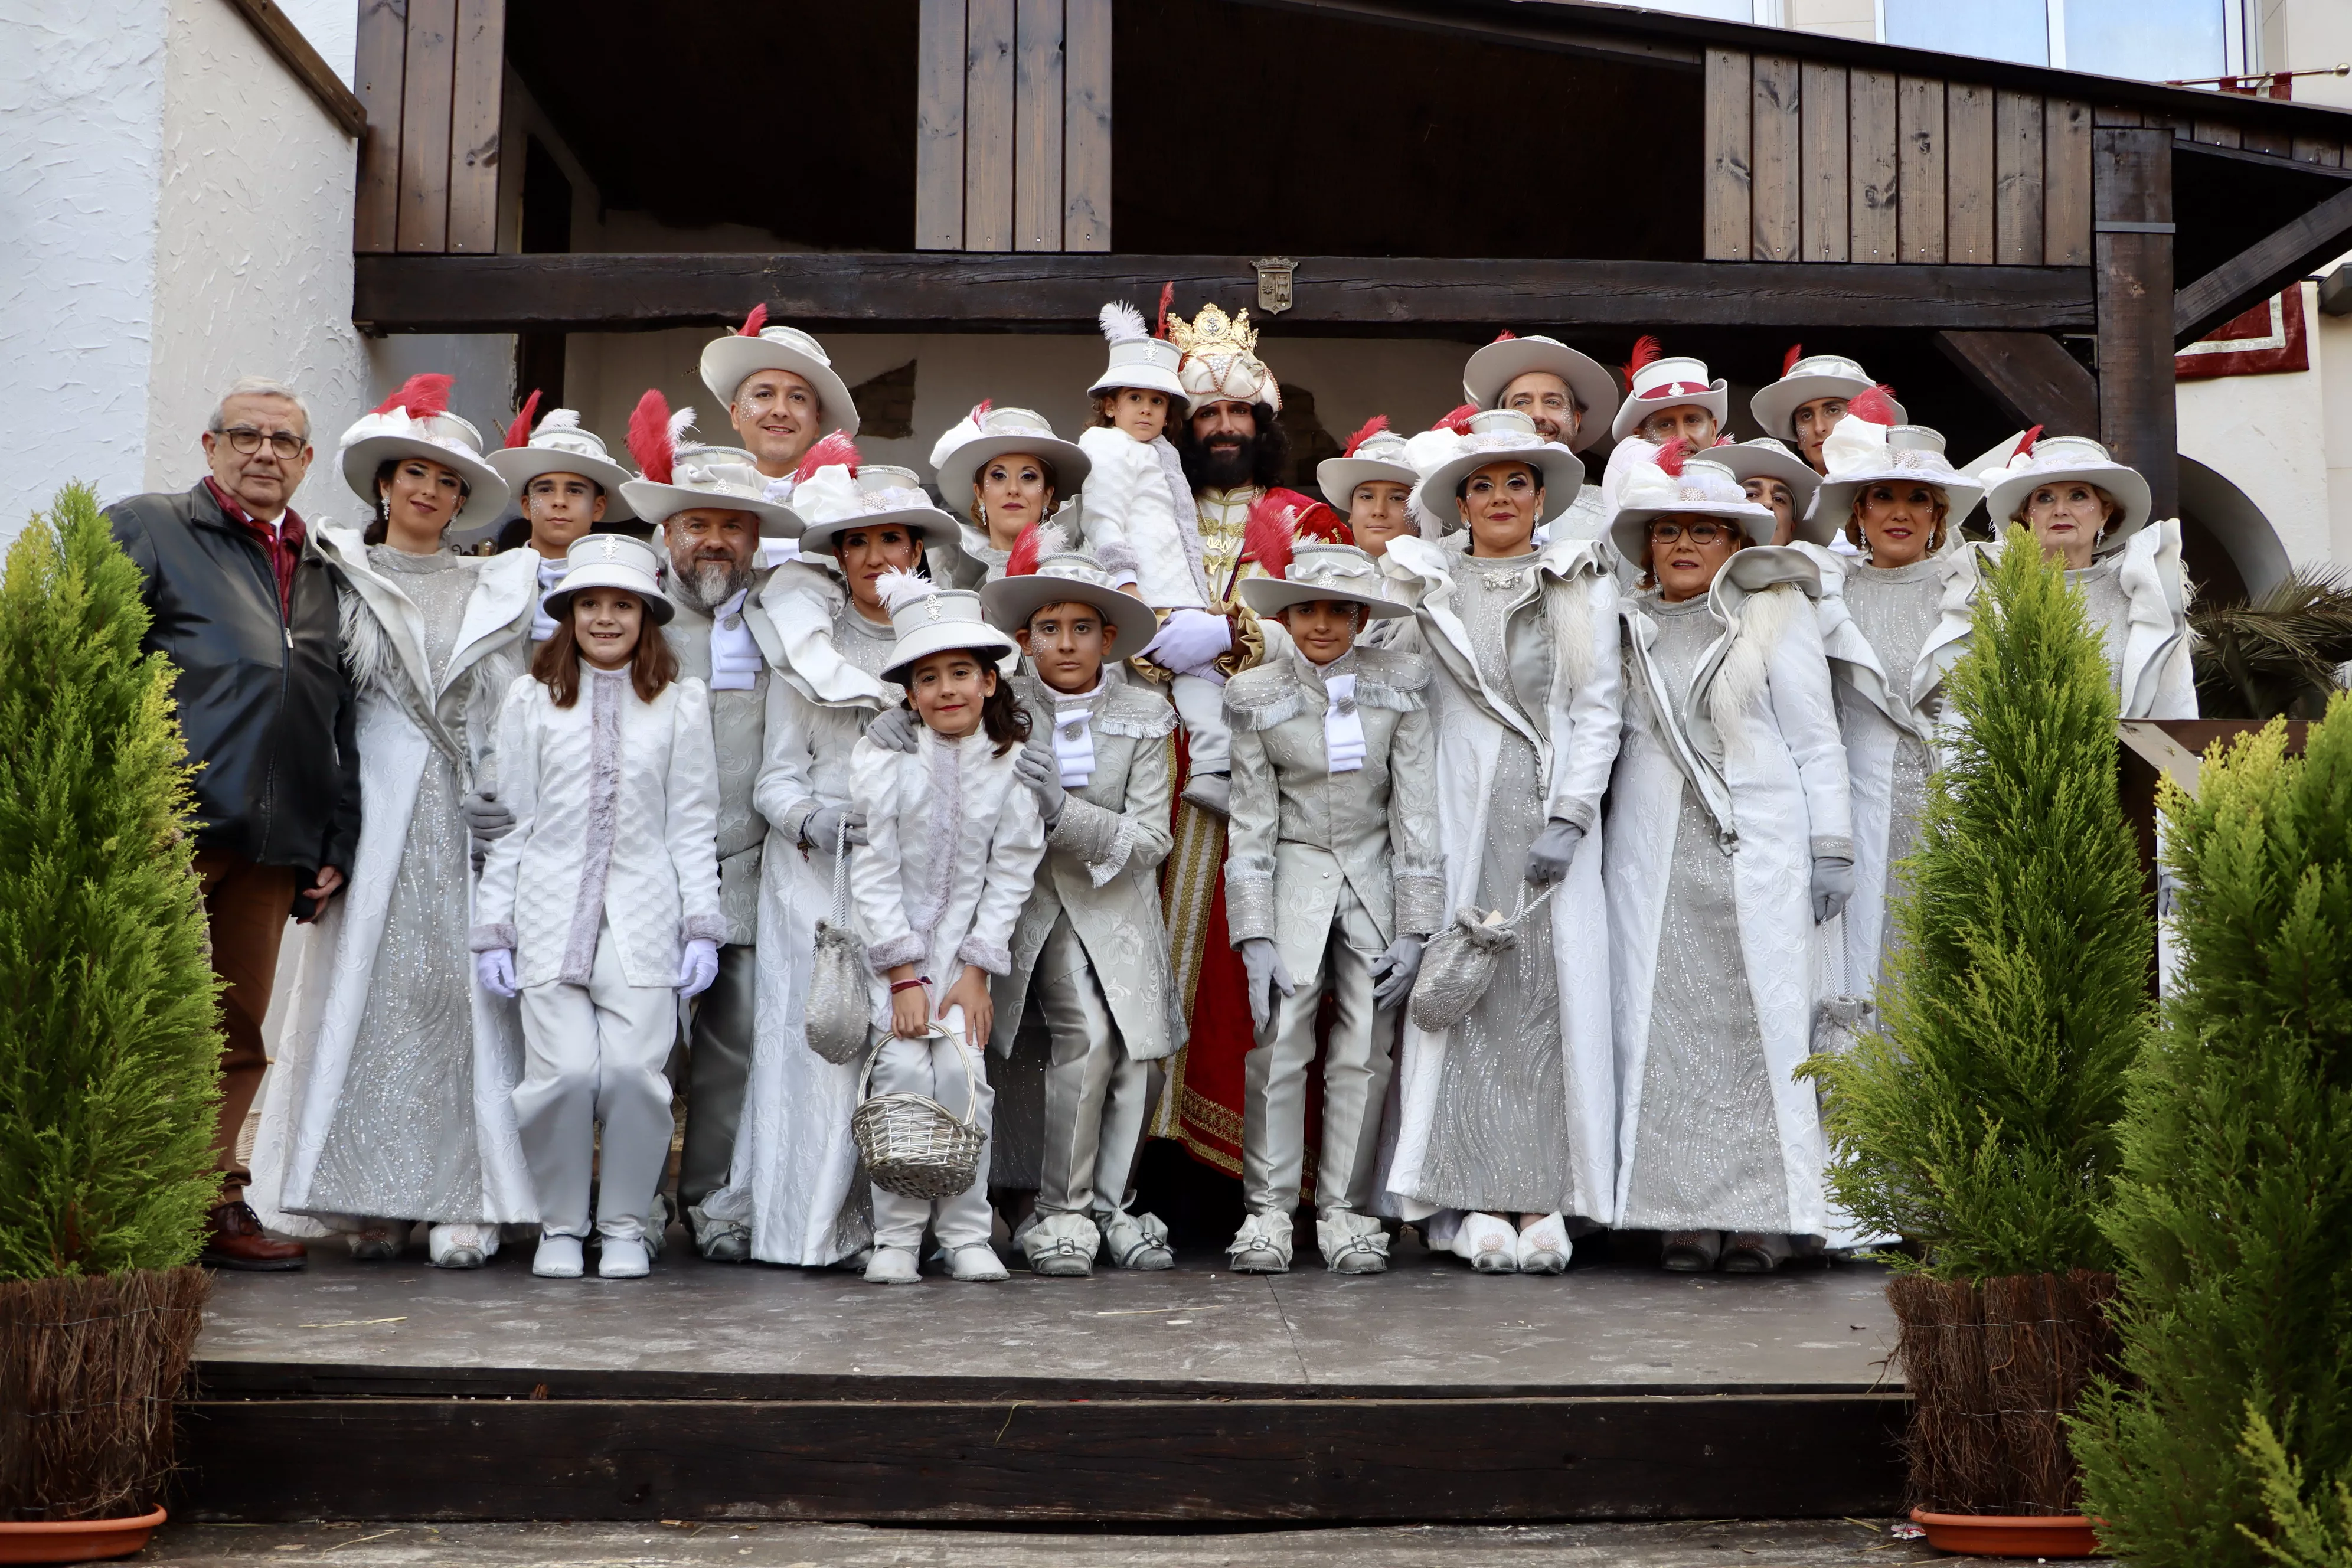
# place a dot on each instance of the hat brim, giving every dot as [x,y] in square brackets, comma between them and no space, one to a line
[1272,596]
[1787,468]
[557,602]
[1775,404]
[1628,531]
[932,526]
[1338,478]
[1071,465]
[521,465]
[487,492]
[1834,502]
[1716,400]
[1146,378]
[728,363]
[943,638]
[1562,471]
[1010,601]
[1496,365]
[2006,496]
[656,502]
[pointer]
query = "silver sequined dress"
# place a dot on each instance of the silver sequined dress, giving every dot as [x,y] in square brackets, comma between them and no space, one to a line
[402,1144]
[1894,609]
[1707,1150]
[2107,607]
[1497,1141]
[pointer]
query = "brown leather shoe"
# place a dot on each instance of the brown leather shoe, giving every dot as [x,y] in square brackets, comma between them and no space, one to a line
[233,1239]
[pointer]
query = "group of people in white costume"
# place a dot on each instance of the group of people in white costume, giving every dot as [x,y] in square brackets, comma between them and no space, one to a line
[1555,806]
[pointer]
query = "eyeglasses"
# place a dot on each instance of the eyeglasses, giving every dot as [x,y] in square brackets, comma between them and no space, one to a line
[1698,533]
[244,440]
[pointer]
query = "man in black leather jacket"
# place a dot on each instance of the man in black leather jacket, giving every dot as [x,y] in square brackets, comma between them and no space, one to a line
[245,607]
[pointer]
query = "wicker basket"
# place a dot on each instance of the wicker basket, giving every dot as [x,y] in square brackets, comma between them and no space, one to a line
[911,1143]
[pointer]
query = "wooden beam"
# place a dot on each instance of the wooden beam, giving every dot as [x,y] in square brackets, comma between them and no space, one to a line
[1826,234]
[987,124]
[1775,179]
[1726,218]
[295,53]
[1391,295]
[477,83]
[1871,164]
[2017,179]
[1919,165]
[938,126]
[2263,268]
[1037,95]
[2066,183]
[2030,376]
[2131,194]
[379,72]
[425,125]
[1969,178]
[1086,126]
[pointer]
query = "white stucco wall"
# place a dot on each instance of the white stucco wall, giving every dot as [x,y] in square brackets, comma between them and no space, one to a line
[81,135]
[2264,433]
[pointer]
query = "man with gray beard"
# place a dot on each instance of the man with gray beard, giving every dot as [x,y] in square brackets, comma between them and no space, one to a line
[711,516]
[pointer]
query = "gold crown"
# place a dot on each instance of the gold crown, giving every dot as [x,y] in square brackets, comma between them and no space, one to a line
[1212,332]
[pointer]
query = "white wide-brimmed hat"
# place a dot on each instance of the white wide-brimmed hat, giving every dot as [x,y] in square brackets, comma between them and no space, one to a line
[1653,382]
[611,561]
[1804,377]
[1138,358]
[1495,436]
[1765,458]
[1316,571]
[1510,357]
[1220,361]
[1861,452]
[988,433]
[729,362]
[840,498]
[674,477]
[1042,571]
[2052,459]
[415,422]
[1374,452]
[927,620]
[560,446]
[1674,484]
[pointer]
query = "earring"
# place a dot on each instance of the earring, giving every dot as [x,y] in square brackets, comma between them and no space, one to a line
[980,513]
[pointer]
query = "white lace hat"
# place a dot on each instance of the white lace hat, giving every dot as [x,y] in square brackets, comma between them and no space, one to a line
[1861,451]
[1510,357]
[927,620]
[1041,571]
[1138,358]
[611,561]
[839,498]
[1374,452]
[1804,377]
[1675,485]
[560,446]
[415,422]
[1654,382]
[1316,571]
[674,477]
[729,362]
[1492,435]
[2050,460]
[988,433]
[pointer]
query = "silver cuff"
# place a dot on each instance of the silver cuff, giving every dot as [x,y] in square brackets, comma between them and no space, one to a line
[1249,906]
[991,956]
[492,938]
[885,956]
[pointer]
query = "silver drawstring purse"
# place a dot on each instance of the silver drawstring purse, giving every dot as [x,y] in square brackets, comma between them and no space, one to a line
[1458,965]
[840,996]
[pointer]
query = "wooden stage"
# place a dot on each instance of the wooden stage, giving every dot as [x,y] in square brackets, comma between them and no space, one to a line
[706,1391]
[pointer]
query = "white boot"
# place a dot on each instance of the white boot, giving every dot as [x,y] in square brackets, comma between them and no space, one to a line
[892,1265]
[1262,1246]
[1061,1245]
[558,1258]
[1351,1243]
[1491,1245]
[1543,1246]
[623,1258]
[1138,1241]
[461,1246]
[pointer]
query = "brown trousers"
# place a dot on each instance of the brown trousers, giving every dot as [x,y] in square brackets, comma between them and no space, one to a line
[245,907]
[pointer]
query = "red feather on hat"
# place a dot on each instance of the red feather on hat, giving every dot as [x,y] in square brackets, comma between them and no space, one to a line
[1506,336]
[836,450]
[650,442]
[1167,298]
[519,433]
[754,321]
[1371,427]
[422,396]
[2025,443]
[1459,421]
[1645,349]
[1266,537]
[1023,561]
[1796,351]
[983,406]
[1323,522]
[1878,405]
[1671,456]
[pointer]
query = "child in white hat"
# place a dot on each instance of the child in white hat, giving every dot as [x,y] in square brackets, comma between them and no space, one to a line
[953,833]
[600,907]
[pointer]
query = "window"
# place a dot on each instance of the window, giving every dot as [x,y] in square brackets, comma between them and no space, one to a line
[2149,40]
[2015,30]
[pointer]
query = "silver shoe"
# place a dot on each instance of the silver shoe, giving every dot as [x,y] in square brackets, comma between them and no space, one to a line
[1262,1246]
[379,1240]
[719,1240]
[1351,1243]
[1061,1245]
[1138,1241]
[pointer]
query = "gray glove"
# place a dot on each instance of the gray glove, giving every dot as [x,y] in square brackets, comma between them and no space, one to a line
[1037,767]
[1394,972]
[1554,850]
[485,819]
[1832,885]
[1262,962]
[822,827]
[893,729]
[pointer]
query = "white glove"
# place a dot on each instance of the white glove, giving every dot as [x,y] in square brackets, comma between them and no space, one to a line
[1189,641]
[1832,885]
[821,829]
[495,970]
[893,730]
[1554,850]
[697,967]
[1262,962]
[1394,971]
[1037,767]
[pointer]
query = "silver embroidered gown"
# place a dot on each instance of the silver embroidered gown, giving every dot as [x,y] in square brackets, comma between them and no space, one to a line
[402,1144]
[1498,1141]
[1896,608]
[1707,1155]
[2107,607]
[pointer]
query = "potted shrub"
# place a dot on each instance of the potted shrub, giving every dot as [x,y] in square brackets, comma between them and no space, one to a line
[1977,1120]
[109,1050]
[2231,1218]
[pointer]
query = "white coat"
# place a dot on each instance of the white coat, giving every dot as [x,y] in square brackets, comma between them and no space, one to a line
[1757,733]
[1570,680]
[400,723]
[1140,518]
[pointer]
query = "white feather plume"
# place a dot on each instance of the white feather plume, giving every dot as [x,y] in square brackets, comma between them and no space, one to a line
[681,424]
[1122,322]
[564,419]
[898,589]
[954,436]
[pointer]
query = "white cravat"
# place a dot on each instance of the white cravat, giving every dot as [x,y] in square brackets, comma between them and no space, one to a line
[1343,727]
[734,654]
[550,574]
[1074,736]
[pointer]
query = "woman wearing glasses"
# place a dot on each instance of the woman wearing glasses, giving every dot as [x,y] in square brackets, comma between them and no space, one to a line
[1728,842]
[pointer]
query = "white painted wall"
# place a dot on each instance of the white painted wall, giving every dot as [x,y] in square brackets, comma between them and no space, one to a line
[2262,433]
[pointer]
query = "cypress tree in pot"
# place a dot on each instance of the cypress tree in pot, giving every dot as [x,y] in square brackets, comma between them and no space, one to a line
[108,1045]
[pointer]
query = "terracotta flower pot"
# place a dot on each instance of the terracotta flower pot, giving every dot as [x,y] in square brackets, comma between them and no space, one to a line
[2009,1534]
[76,1540]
